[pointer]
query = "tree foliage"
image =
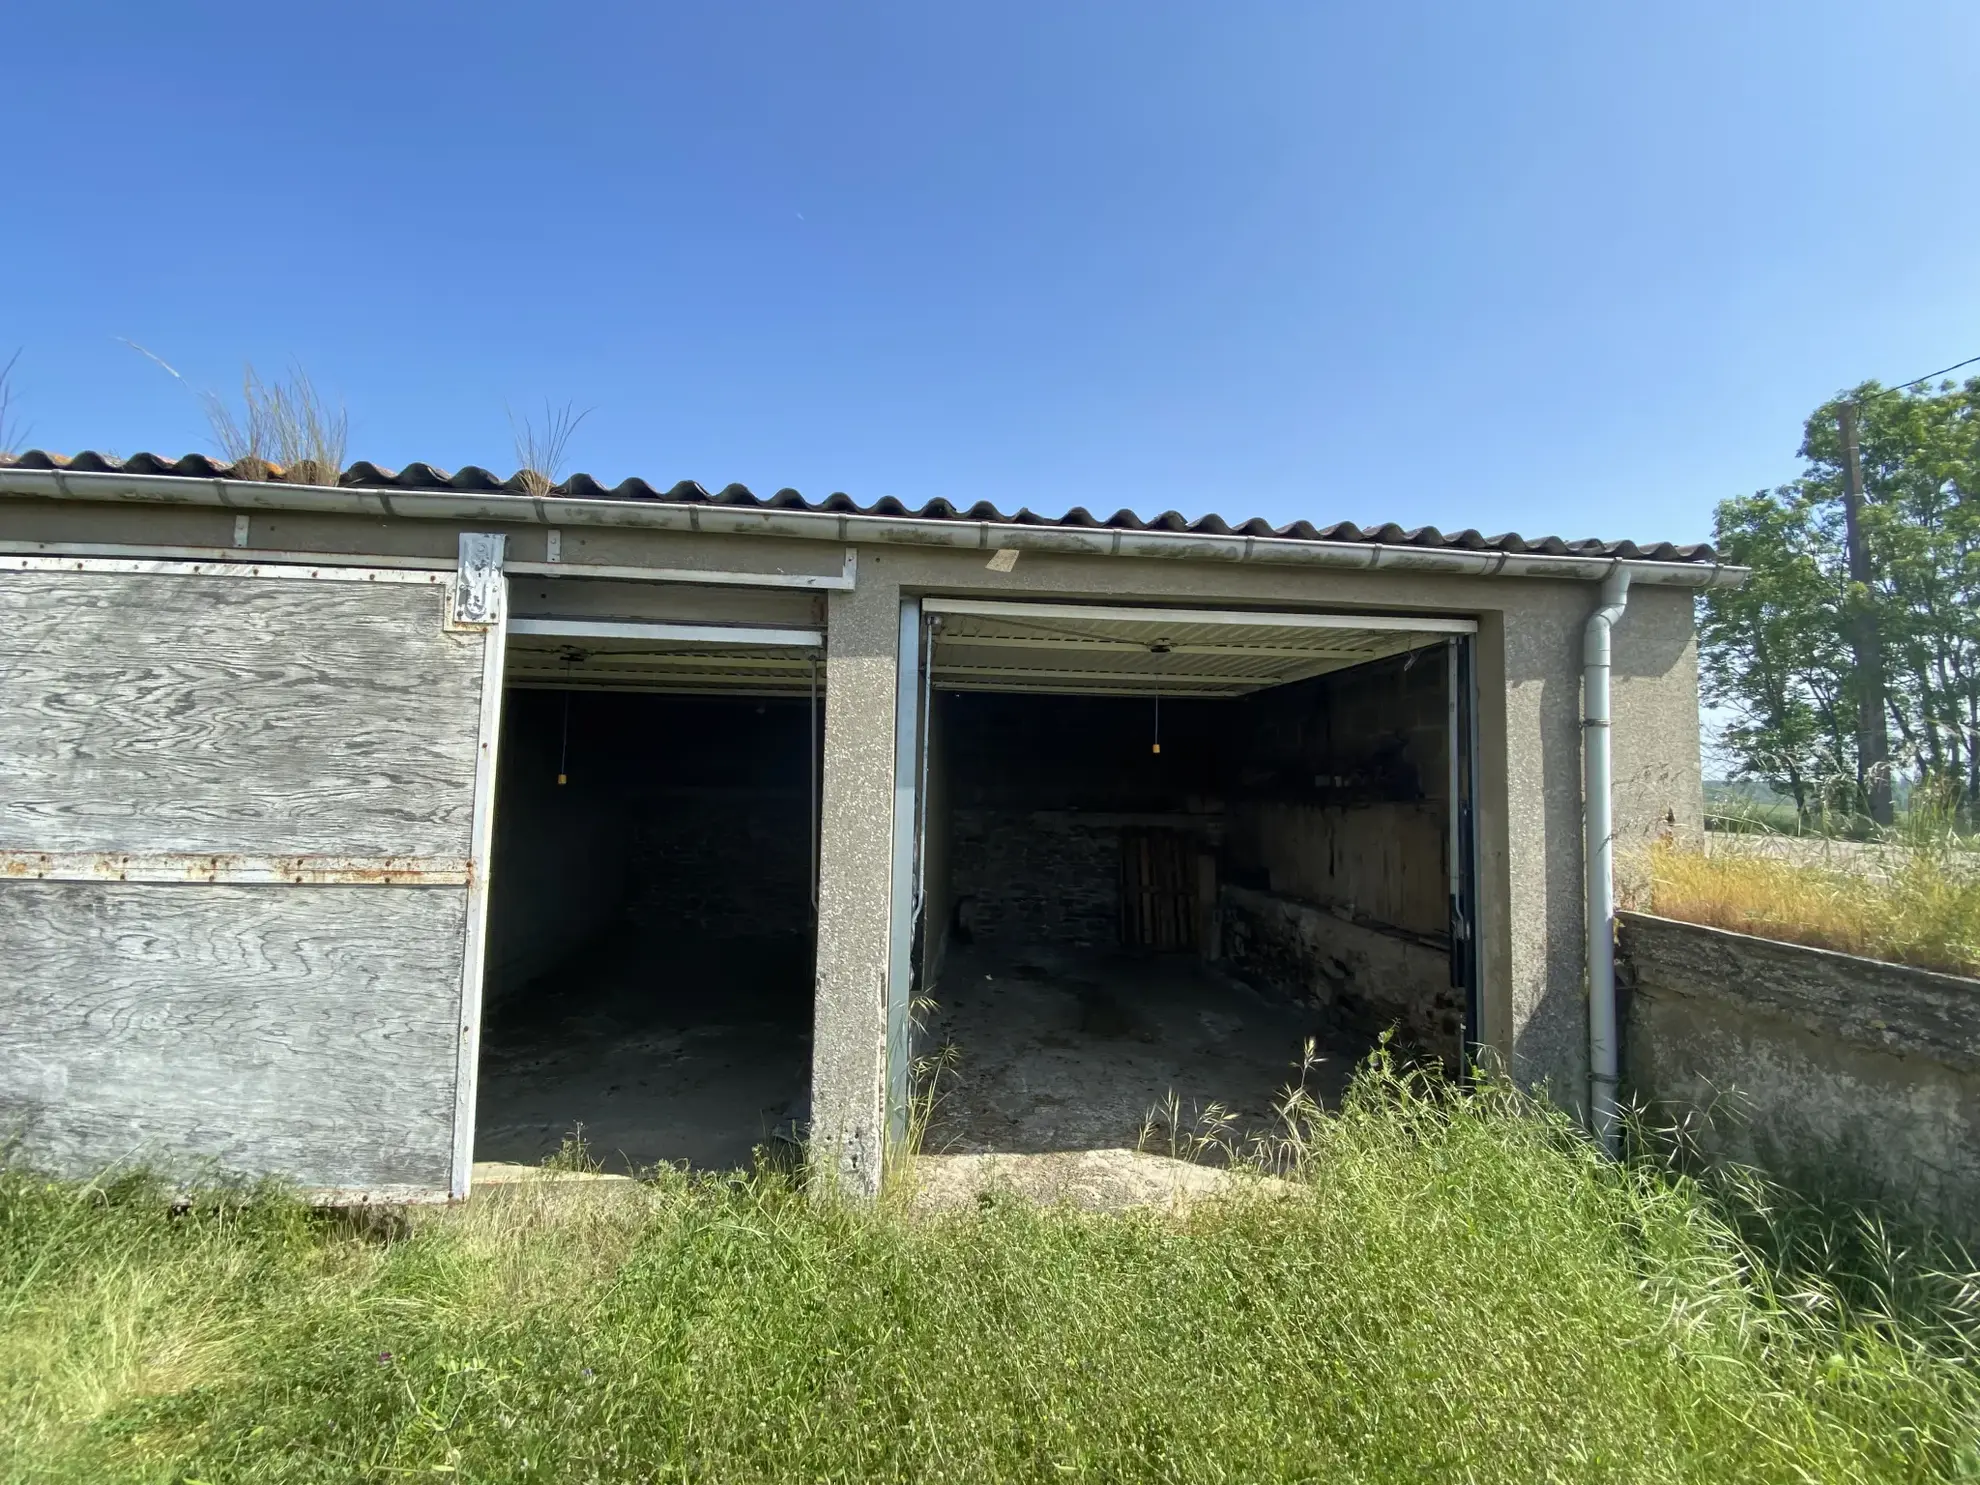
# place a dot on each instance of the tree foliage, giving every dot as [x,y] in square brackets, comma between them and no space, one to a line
[1774,650]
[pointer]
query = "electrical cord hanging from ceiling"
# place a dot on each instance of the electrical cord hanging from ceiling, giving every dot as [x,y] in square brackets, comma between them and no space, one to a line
[564,742]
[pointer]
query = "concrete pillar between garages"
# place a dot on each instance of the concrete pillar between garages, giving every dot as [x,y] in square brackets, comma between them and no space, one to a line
[848,1058]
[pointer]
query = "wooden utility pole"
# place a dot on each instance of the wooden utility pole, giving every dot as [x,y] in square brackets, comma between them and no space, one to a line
[1873,746]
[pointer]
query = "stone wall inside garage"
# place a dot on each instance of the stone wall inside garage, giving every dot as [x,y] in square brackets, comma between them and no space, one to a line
[1040,791]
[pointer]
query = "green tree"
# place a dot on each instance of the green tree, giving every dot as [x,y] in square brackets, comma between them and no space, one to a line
[1774,650]
[1771,649]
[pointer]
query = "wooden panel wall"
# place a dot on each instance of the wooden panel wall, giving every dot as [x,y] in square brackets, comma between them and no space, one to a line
[304,1030]
[1384,862]
[222,714]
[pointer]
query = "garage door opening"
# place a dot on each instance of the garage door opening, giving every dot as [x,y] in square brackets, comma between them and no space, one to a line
[650,928]
[1156,860]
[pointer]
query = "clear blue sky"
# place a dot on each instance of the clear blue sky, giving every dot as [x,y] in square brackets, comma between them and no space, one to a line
[1563,268]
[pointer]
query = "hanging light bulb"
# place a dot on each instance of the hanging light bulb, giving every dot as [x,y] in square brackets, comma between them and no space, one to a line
[1159,647]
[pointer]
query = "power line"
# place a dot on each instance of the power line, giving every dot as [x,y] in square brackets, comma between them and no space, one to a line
[1928,376]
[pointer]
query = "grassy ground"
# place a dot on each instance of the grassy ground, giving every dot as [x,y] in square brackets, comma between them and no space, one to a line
[1911,901]
[1457,1288]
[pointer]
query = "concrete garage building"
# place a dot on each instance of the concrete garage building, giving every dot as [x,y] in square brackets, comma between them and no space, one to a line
[358,833]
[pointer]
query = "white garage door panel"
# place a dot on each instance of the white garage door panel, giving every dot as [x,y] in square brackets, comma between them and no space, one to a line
[1089,649]
[243,822]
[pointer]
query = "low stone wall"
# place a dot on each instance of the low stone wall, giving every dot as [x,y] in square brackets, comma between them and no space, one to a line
[1837,1075]
[1374,977]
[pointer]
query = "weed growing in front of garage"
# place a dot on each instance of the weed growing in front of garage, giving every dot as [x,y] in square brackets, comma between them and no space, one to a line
[1453,1285]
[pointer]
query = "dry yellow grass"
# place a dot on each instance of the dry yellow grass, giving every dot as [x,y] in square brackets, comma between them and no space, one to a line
[1909,905]
[284,428]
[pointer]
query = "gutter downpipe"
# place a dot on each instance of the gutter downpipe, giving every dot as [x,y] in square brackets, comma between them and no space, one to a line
[1599,856]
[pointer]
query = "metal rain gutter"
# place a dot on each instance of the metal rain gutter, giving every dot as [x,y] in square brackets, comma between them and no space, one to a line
[550,510]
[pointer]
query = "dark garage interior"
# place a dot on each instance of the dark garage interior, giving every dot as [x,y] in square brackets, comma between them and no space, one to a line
[1111,923]
[650,951]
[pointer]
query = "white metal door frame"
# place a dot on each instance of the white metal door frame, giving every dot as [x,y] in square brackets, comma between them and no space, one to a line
[1461,745]
[914,669]
[480,561]
[1233,617]
[904,900]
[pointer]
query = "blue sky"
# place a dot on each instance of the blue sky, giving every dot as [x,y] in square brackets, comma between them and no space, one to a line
[1555,268]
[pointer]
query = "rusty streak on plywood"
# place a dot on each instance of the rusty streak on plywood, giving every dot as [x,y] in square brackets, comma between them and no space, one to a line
[189,866]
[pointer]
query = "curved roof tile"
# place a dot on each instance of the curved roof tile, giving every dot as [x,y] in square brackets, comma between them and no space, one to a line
[472,477]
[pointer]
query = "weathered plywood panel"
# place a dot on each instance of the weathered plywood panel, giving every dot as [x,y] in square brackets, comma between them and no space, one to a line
[281,717]
[306,1031]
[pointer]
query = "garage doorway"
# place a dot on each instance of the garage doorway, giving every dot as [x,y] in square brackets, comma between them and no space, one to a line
[652,913]
[1154,852]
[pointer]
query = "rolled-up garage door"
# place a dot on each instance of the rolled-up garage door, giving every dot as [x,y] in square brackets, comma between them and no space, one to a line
[243,827]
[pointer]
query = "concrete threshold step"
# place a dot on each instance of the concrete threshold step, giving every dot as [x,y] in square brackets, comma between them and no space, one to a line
[507,1173]
[1089,1180]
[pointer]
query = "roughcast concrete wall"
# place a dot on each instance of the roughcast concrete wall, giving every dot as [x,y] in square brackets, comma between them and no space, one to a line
[1839,1076]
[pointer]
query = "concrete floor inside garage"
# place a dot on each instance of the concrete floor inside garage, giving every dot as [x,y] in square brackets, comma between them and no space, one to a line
[1062,1050]
[1119,937]
[650,945]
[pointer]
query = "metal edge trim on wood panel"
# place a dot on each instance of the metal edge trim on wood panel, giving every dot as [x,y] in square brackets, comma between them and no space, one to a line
[230,867]
[481,839]
[727,634]
[1011,609]
[231,555]
[234,556]
[179,567]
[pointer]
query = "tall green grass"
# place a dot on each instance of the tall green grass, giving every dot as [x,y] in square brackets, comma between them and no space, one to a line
[1452,1285]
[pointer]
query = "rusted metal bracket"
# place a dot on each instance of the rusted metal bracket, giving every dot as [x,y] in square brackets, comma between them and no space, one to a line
[224,867]
[477,596]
